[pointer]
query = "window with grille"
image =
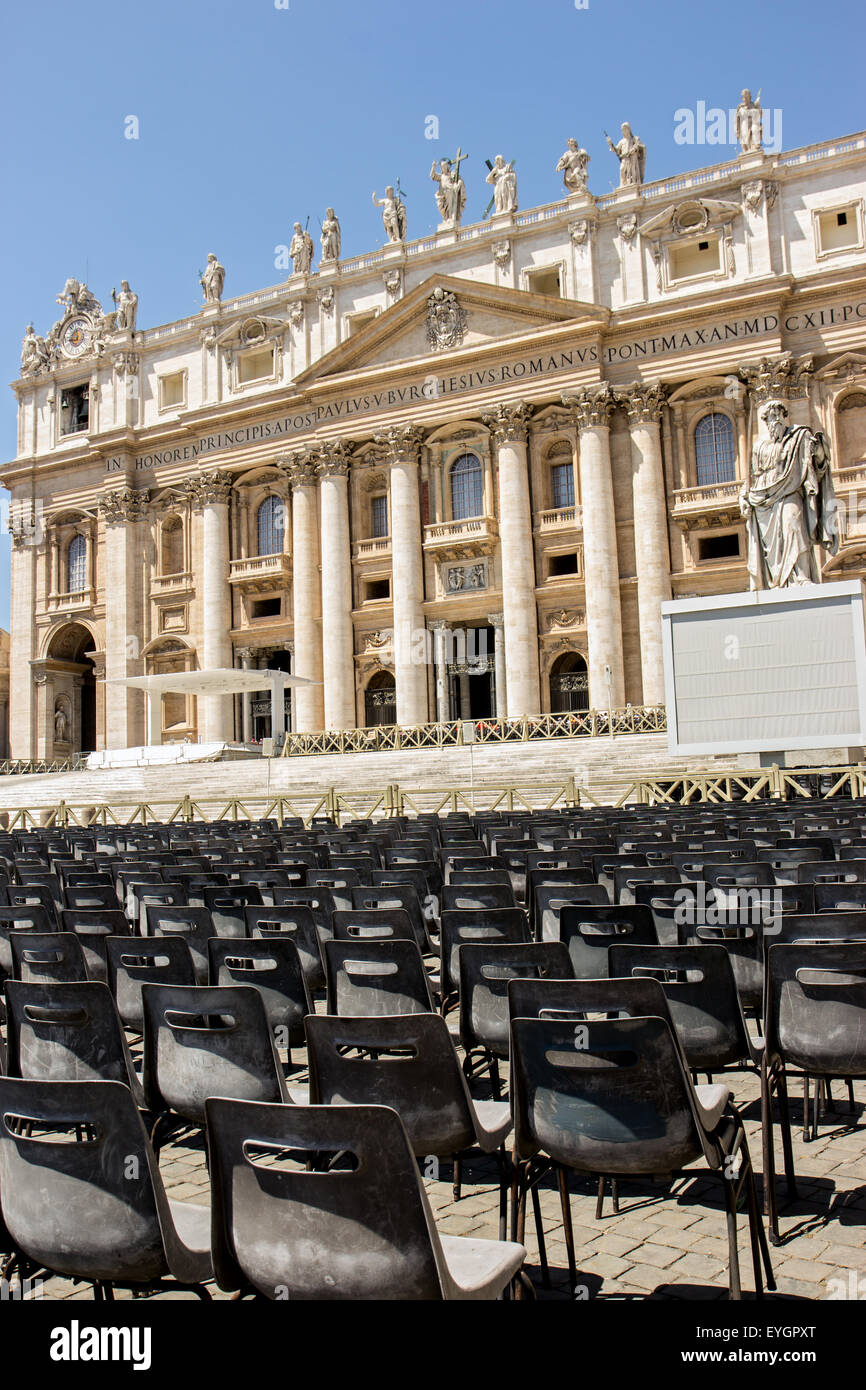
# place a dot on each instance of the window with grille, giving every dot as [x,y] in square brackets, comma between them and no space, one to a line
[76,565]
[270,525]
[562,480]
[467,487]
[714,450]
[378,516]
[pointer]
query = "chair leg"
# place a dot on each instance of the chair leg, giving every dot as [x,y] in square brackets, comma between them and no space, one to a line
[735,1289]
[614,1193]
[539,1232]
[599,1202]
[756,1227]
[502,1165]
[456,1178]
[518,1211]
[769,1157]
[565,1201]
[787,1146]
[495,1080]
[805,1109]
[851,1096]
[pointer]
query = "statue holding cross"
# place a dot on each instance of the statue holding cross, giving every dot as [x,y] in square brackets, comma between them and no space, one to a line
[451,197]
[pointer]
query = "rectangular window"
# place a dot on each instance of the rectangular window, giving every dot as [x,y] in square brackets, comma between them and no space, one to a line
[562,564]
[377,589]
[255,366]
[355,323]
[719,547]
[838,230]
[562,478]
[74,410]
[694,258]
[172,390]
[265,608]
[545,281]
[378,516]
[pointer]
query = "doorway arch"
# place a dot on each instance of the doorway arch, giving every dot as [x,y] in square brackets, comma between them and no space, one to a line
[71,712]
[569,684]
[380,700]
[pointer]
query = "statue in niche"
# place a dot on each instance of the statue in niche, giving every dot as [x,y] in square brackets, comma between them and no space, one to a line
[789,503]
[631,153]
[749,122]
[330,238]
[301,250]
[451,197]
[504,181]
[574,167]
[126,306]
[61,725]
[212,280]
[393,214]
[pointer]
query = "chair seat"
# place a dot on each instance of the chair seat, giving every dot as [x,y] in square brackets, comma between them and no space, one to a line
[493,1121]
[711,1104]
[480,1269]
[192,1223]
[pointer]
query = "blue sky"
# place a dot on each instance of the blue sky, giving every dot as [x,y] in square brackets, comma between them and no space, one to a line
[254,113]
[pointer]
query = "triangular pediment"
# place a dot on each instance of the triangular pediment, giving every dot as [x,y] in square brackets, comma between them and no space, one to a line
[483,315]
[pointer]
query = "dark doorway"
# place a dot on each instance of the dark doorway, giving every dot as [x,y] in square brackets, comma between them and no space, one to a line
[380,700]
[569,684]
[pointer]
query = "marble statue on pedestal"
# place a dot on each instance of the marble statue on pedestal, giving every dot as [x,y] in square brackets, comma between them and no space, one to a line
[574,167]
[789,503]
[330,238]
[504,181]
[34,353]
[631,153]
[212,280]
[301,250]
[126,306]
[393,214]
[451,197]
[749,122]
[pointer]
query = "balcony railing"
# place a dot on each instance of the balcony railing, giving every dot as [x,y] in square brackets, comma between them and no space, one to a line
[474,535]
[696,498]
[258,569]
[374,548]
[70,603]
[560,519]
[170,583]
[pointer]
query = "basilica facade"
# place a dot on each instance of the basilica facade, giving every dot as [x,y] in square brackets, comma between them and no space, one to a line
[452,478]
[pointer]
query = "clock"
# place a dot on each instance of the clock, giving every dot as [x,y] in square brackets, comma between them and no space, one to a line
[75,338]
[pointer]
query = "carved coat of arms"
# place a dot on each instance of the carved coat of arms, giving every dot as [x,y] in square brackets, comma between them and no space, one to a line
[446,320]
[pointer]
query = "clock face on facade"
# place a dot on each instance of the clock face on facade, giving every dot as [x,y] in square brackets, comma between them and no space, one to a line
[76,337]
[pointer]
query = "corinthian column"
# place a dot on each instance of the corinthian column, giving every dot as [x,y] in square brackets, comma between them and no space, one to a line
[22,647]
[337,634]
[123,513]
[520,615]
[211,492]
[652,556]
[399,450]
[306,592]
[593,409]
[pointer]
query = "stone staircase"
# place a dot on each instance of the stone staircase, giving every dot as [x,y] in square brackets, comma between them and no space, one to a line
[538,770]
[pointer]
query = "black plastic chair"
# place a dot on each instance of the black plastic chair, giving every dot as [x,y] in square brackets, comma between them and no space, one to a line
[93,926]
[193,924]
[227,907]
[815,1023]
[101,1213]
[90,895]
[375,1236]
[67,1032]
[613,1096]
[299,924]
[587,932]
[408,1062]
[839,897]
[380,897]
[368,924]
[134,962]
[47,957]
[271,965]
[369,978]
[469,897]
[462,928]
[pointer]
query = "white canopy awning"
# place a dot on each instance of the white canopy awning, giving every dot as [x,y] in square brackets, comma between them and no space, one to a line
[228,681]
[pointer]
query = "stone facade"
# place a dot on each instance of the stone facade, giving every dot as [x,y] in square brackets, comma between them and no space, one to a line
[454,477]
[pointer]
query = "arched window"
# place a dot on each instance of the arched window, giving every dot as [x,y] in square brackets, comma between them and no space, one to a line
[569,684]
[715,455]
[380,700]
[270,526]
[467,487]
[171,548]
[562,485]
[76,565]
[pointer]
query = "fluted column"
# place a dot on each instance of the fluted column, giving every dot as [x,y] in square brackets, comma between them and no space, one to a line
[306,592]
[123,513]
[496,621]
[593,409]
[211,492]
[337,633]
[652,554]
[520,615]
[399,450]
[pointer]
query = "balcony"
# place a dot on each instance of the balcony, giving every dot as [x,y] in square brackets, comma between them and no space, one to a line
[715,504]
[461,540]
[559,519]
[163,584]
[258,573]
[75,602]
[376,548]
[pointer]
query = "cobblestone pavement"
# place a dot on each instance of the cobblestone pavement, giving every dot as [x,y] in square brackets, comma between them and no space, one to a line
[668,1240]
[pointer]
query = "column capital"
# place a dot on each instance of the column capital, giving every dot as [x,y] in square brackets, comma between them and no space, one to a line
[126,504]
[399,444]
[781,379]
[438,625]
[208,488]
[592,406]
[508,422]
[643,402]
[496,619]
[332,460]
[299,467]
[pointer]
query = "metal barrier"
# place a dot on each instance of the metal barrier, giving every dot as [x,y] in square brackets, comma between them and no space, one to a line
[26,767]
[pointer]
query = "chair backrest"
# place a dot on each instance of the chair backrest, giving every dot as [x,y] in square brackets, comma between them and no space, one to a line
[100,1198]
[207,1040]
[370,978]
[699,985]
[272,965]
[816,1006]
[457,897]
[193,924]
[33,895]
[359,924]
[145,960]
[739,873]
[319,900]
[406,1061]
[826,871]
[624,880]
[548,900]
[817,926]
[485,972]
[587,932]
[43,957]
[374,1233]
[226,907]
[20,919]
[375,897]
[298,922]
[464,927]
[66,1032]
[837,897]
[90,895]
[92,926]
